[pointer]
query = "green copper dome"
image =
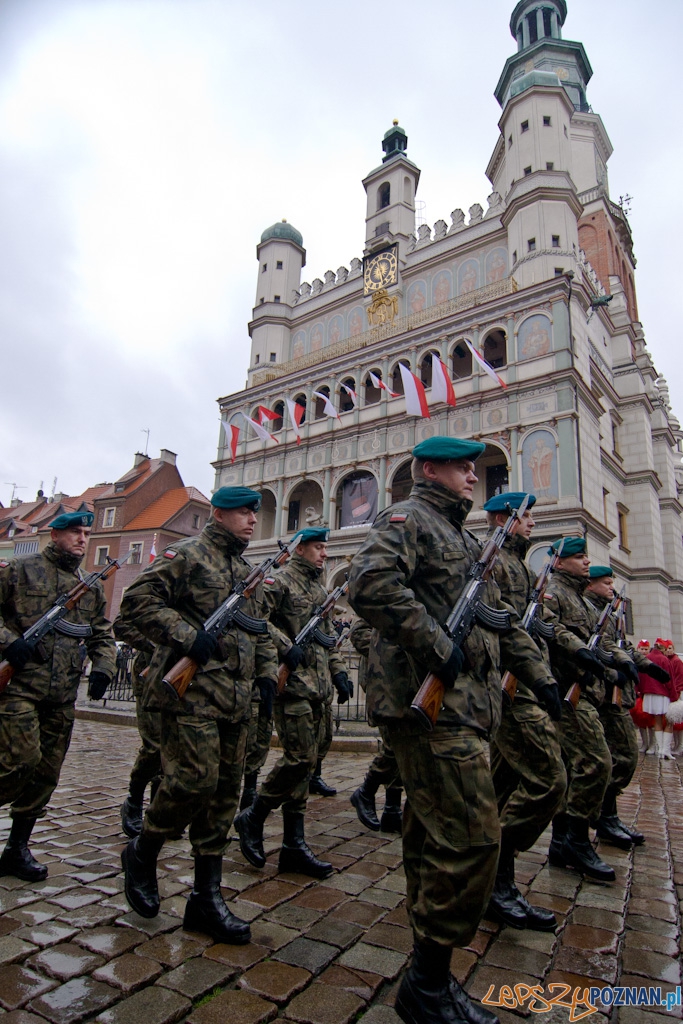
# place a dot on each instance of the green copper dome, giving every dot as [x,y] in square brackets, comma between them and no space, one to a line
[533,78]
[284,231]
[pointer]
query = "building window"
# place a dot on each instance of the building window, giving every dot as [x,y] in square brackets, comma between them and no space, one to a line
[279,410]
[195,521]
[101,556]
[261,301]
[258,359]
[276,298]
[605,496]
[273,357]
[26,547]
[494,349]
[293,516]
[278,265]
[555,240]
[496,480]
[531,244]
[525,126]
[264,268]
[108,516]
[546,121]
[384,196]
[136,557]
[559,272]
[509,142]
[372,394]
[615,438]
[622,517]
[527,170]
[461,361]
[565,132]
[550,166]
[514,256]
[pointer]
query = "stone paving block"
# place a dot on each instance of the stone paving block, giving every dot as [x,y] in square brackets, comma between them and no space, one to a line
[65,961]
[664,892]
[651,924]
[391,937]
[484,977]
[648,940]
[597,898]
[195,978]
[73,1002]
[75,898]
[47,934]
[352,885]
[320,1004]
[556,882]
[595,918]
[152,1005]
[247,911]
[383,898]
[479,943]
[379,1014]
[529,961]
[13,949]
[654,908]
[235,1007]
[18,985]
[129,972]
[651,965]
[361,913]
[386,962]
[462,964]
[36,913]
[307,953]
[274,981]
[150,926]
[318,898]
[90,916]
[110,942]
[237,956]
[21,1017]
[336,931]
[270,934]
[543,942]
[270,894]
[294,917]
[361,983]
[18,898]
[173,949]
[9,924]
[370,870]
[587,963]
[394,882]
[583,937]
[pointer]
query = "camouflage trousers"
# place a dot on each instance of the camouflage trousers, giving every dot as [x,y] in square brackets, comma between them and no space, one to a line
[587,759]
[622,741]
[384,764]
[147,766]
[203,761]
[34,739]
[451,833]
[528,773]
[327,731]
[301,728]
[258,738]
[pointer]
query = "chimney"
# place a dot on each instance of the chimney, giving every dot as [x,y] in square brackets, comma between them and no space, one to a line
[139,457]
[15,503]
[166,456]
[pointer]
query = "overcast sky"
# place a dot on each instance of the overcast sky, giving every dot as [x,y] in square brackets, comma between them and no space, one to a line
[145,144]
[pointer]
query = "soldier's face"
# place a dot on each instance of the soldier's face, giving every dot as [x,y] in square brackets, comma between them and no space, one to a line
[74,540]
[457,476]
[603,587]
[314,551]
[575,565]
[240,522]
[522,527]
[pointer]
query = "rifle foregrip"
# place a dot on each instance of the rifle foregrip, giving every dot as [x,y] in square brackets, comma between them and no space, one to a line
[283,675]
[573,694]
[6,673]
[429,701]
[509,687]
[179,677]
[616,696]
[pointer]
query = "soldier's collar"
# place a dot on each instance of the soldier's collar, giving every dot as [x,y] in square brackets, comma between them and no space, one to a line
[577,583]
[306,567]
[223,539]
[520,545]
[444,501]
[62,559]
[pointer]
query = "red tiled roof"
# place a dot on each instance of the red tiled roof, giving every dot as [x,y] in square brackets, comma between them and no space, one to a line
[164,508]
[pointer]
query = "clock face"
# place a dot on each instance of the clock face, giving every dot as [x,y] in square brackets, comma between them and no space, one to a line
[380,270]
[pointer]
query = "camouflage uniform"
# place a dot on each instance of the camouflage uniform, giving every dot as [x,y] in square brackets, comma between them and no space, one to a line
[259,735]
[203,736]
[404,581]
[37,708]
[147,766]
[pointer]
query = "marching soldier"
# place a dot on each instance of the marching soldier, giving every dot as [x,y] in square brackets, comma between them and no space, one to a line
[258,745]
[37,708]
[292,596]
[404,581]
[203,735]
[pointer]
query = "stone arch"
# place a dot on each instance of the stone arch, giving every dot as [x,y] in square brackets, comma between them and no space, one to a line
[384,195]
[460,359]
[277,424]
[396,378]
[372,394]
[345,400]
[401,481]
[493,471]
[319,413]
[302,496]
[494,347]
[424,363]
[267,516]
[356,497]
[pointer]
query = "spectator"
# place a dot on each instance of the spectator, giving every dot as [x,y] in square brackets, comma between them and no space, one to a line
[656,699]
[674,713]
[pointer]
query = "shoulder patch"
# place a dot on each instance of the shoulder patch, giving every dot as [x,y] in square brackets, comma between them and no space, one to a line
[269,579]
[170,554]
[398,517]
[3,564]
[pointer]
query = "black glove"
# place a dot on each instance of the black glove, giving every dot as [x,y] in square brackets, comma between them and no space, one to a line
[652,670]
[450,670]
[294,656]
[622,679]
[97,685]
[203,647]
[628,669]
[549,697]
[343,686]
[19,653]
[588,661]
[267,689]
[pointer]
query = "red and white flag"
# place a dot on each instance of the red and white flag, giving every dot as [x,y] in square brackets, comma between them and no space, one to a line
[416,399]
[377,383]
[329,409]
[484,365]
[296,414]
[259,430]
[266,414]
[351,393]
[231,439]
[153,549]
[442,388]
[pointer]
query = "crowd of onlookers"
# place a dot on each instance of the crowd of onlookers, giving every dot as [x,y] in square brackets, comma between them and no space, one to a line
[658,710]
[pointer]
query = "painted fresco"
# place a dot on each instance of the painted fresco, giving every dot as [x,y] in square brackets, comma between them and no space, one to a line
[356,321]
[335,330]
[317,338]
[534,337]
[299,344]
[496,265]
[442,287]
[539,464]
[417,296]
[468,277]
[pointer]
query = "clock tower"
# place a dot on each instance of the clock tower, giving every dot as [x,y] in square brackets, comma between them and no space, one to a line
[390,189]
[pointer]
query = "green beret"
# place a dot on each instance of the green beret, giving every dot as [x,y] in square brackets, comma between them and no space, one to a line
[571,546]
[68,519]
[236,497]
[312,533]
[597,572]
[500,502]
[443,449]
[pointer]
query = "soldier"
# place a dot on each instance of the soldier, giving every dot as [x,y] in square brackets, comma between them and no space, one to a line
[258,745]
[37,708]
[404,581]
[582,736]
[203,735]
[620,732]
[526,760]
[292,596]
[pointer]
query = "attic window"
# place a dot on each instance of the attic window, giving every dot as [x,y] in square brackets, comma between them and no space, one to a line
[278,265]
[264,268]
[546,121]
[119,488]
[555,241]
[550,166]
[276,298]
[531,244]
[524,126]
[108,517]
[527,170]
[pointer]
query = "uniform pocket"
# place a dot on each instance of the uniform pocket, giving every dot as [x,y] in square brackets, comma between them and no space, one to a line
[465,805]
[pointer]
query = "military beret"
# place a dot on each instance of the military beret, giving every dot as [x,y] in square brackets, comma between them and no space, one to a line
[443,449]
[236,497]
[598,572]
[312,533]
[500,502]
[571,546]
[68,519]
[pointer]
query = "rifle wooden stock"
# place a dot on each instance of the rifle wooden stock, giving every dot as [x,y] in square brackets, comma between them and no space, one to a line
[616,696]
[179,677]
[573,694]
[6,673]
[429,701]
[283,675]
[509,686]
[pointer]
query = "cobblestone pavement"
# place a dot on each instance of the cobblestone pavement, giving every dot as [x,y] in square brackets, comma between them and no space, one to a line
[326,952]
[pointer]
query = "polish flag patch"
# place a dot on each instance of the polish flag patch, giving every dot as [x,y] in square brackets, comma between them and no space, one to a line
[397,518]
[170,554]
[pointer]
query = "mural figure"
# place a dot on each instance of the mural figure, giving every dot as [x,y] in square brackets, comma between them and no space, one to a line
[539,464]
[442,287]
[356,323]
[335,330]
[469,277]
[299,346]
[534,337]
[417,297]
[496,266]
[317,338]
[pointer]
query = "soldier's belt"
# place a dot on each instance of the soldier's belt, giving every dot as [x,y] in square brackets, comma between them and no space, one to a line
[73,629]
[493,618]
[324,639]
[546,630]
[249,624]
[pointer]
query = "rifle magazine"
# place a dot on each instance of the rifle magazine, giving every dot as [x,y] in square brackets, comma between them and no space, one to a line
[249,624]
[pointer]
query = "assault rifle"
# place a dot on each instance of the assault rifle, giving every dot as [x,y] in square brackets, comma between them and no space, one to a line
[530,621]
[180,675]
[55,620]
[593,644]
[312,631]
[469,606]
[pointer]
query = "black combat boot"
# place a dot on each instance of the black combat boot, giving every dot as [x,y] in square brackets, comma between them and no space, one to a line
[537,918]
[363,799]
[578,852]
[425,995]
[472,1012]
[610,815]
[139,860]
[17,859]
[206,911]
[295,855]
[316,784]
[609,831]
[555,853]
[249,826]
[504,904]
[249,789]
[131,817]
[391,815]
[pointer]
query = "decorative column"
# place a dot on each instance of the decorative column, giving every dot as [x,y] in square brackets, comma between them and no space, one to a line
[326,495]
[540,28]
[383,499]
[278,506]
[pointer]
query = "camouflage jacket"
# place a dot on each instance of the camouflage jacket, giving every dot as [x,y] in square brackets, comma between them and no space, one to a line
[628,651]
[292,596]
[404,581]
[29,587]
[172,598]
[145,649]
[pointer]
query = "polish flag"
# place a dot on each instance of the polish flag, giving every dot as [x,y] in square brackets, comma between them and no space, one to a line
[484,365]
[259,430]
[442,389]
[352,394]
[231,439]
[329,408]
[153,549]
[416,399]
[296,413]
[377,383]
[266,414]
